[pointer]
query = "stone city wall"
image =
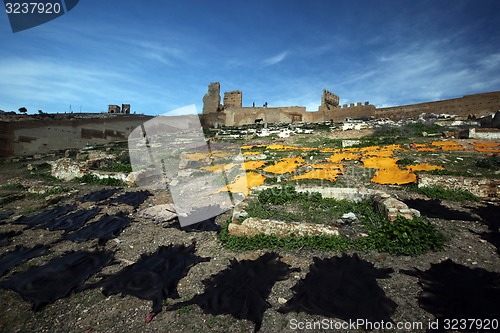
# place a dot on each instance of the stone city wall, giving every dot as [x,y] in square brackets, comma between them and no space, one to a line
[233,99]
[478,105]
[29,136]
[251,115]
[211,100]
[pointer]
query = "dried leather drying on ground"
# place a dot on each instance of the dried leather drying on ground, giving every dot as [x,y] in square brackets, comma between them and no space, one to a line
[492,237]
[242,289]
[153,277]
[5,237]
[70,222]
[344,288]
[106,228]
[326,174]
[42,285]
[4,216]
[99,195]
[243,183]
[285,165]
[435,209]
[19,255]
[134,199]
[45,216]
[490,214]
[454,291]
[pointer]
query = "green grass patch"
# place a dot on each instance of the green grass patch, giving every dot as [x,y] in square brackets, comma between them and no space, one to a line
[11,198]
[13,187]
[117,167]
[402,237]
[53,191]
[285,204]
[320,242]
[448,172]
[440,192]
[405,161]
[388,135]
[490,162]
[185,309]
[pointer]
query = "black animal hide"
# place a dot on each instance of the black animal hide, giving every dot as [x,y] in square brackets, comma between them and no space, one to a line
[492,237]
[45,216]
[99,195]
[490,214]
[6,236]
[42,285]
[4,216]
[434,209]
[454,291]
[134,199]
[106,228]
[242,289]
[344,288]
[70,222]
[153,277]
[19,255]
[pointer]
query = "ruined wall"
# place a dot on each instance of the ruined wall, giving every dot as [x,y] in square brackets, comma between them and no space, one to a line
[249,115]
[330,110]
[211,100]
[478,105]
[233,99]
[30,136]
[329,101]
[114,109]
[126,108]
[213,119]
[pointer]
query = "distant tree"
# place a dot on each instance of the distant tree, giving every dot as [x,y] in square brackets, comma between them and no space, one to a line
[40,112]
[23,110]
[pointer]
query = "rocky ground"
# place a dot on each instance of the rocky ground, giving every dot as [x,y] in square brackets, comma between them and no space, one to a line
[91,311]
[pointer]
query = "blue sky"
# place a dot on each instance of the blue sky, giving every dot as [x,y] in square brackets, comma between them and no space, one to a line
[161,55]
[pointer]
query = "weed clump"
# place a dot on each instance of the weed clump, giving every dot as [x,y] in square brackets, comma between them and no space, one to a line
[440,192]
[405,237]
[490,162]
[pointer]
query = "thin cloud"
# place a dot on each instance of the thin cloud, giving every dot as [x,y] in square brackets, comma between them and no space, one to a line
[276,59]
[159,52]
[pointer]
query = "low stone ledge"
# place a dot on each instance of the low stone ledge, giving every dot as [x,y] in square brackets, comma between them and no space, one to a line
[482,187]
[391,207]
[253,226]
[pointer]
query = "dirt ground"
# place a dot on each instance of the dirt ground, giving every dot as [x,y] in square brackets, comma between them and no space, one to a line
[91,311]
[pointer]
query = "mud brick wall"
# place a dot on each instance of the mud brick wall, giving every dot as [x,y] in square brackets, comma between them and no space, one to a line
[478,105]
[481,187]
[329,100]
[249,115]
[28,135]
[211,100]
[233,99]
